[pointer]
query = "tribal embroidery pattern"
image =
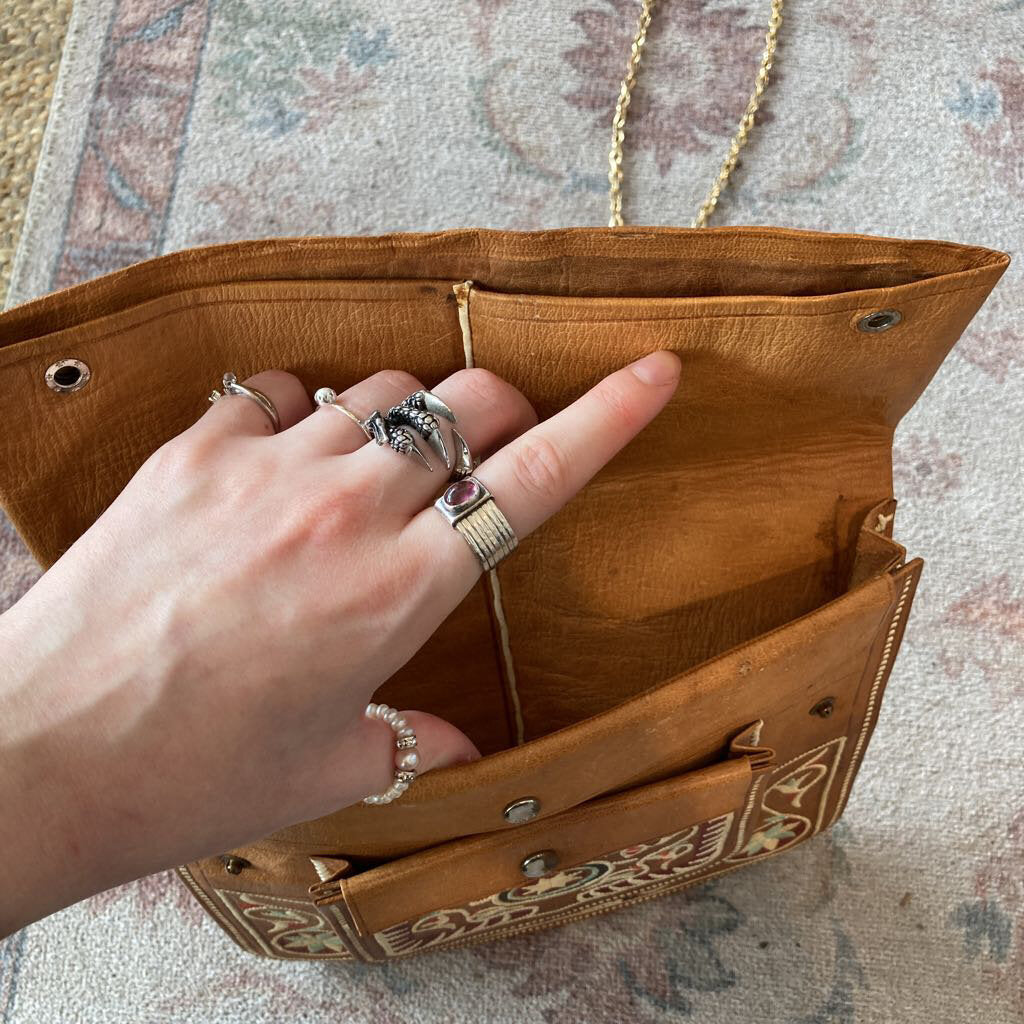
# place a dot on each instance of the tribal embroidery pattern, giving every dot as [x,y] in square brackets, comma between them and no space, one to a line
[785,807]
[569,893]
[792,803]
[285,928]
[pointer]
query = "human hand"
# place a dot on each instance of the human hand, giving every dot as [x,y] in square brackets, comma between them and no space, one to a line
[245,593]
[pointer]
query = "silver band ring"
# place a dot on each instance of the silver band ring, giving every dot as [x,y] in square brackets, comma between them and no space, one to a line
[329,397]
[407,758]
[232,387]
[471,509]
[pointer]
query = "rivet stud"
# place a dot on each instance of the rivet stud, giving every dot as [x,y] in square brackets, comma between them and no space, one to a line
[824,708]
[539,863]
[234,865]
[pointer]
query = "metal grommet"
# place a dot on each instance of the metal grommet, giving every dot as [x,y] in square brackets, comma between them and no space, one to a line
[67,375]
[539,863]
[824,708]
[522,810]
[234,865]
[880,320]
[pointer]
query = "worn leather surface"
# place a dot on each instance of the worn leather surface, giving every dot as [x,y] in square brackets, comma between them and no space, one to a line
[734,563]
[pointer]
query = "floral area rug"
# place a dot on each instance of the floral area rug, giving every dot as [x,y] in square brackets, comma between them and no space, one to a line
[183,122]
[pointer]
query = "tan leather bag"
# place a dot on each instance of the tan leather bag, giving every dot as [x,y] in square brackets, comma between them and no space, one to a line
[691,656]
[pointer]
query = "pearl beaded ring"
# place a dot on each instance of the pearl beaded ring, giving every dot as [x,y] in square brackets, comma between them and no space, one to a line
[407,759]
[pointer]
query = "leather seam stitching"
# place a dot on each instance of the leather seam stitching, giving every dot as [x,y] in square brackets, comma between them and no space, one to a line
[507,667]
[210,904]
[886,660]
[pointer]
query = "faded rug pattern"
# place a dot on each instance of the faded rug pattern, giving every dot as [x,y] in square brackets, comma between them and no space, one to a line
[185,122]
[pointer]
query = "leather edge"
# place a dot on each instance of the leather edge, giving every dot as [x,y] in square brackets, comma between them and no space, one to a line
[903,582]
[80,302]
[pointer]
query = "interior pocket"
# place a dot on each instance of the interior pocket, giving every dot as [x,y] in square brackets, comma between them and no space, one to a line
[735,511]
[682,722]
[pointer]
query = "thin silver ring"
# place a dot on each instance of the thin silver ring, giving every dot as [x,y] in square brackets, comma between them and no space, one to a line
[329,397]
[232,387]
[407,758]
[471,509]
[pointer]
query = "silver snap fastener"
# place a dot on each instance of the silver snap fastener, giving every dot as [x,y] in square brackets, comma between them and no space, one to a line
[880,320]
[67,375]
[522,810]
[539,863]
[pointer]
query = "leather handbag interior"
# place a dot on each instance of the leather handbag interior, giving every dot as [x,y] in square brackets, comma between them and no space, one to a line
[733,566]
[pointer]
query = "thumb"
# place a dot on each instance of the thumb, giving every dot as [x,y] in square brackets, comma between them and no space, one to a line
[438,743]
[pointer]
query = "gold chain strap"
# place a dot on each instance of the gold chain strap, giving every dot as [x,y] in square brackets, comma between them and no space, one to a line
[739,140]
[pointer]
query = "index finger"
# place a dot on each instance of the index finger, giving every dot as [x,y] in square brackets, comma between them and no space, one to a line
[537,474]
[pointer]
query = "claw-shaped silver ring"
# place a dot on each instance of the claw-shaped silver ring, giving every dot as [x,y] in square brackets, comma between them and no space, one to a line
[418,415]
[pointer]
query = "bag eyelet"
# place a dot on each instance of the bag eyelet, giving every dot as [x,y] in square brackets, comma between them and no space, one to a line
[67,375]
[880,320]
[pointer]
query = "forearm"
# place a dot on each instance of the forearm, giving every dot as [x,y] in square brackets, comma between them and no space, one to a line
[47,847]
[72,820]
[117,741]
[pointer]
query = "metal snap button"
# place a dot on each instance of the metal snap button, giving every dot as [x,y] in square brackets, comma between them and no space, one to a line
[67,375]
[539,863]
[522,810]
[880,320]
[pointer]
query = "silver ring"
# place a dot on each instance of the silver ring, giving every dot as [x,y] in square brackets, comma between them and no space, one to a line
[418,415]
[423,412]
[232,387]
[407,758]
[471,509]
[329,397]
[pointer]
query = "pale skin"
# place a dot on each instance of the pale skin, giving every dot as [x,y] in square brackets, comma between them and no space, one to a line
[192,673]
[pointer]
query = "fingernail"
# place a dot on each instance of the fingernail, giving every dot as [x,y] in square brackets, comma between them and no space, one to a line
[658,368]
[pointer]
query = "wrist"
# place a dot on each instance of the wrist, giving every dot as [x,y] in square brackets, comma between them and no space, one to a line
[56,834]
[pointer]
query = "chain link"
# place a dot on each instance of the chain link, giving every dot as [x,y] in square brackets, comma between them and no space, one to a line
[739,140]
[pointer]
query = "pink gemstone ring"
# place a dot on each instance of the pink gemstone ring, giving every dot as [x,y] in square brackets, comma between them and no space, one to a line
[471,509]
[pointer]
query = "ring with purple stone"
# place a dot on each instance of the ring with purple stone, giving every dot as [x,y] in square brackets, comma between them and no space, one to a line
[471,509]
